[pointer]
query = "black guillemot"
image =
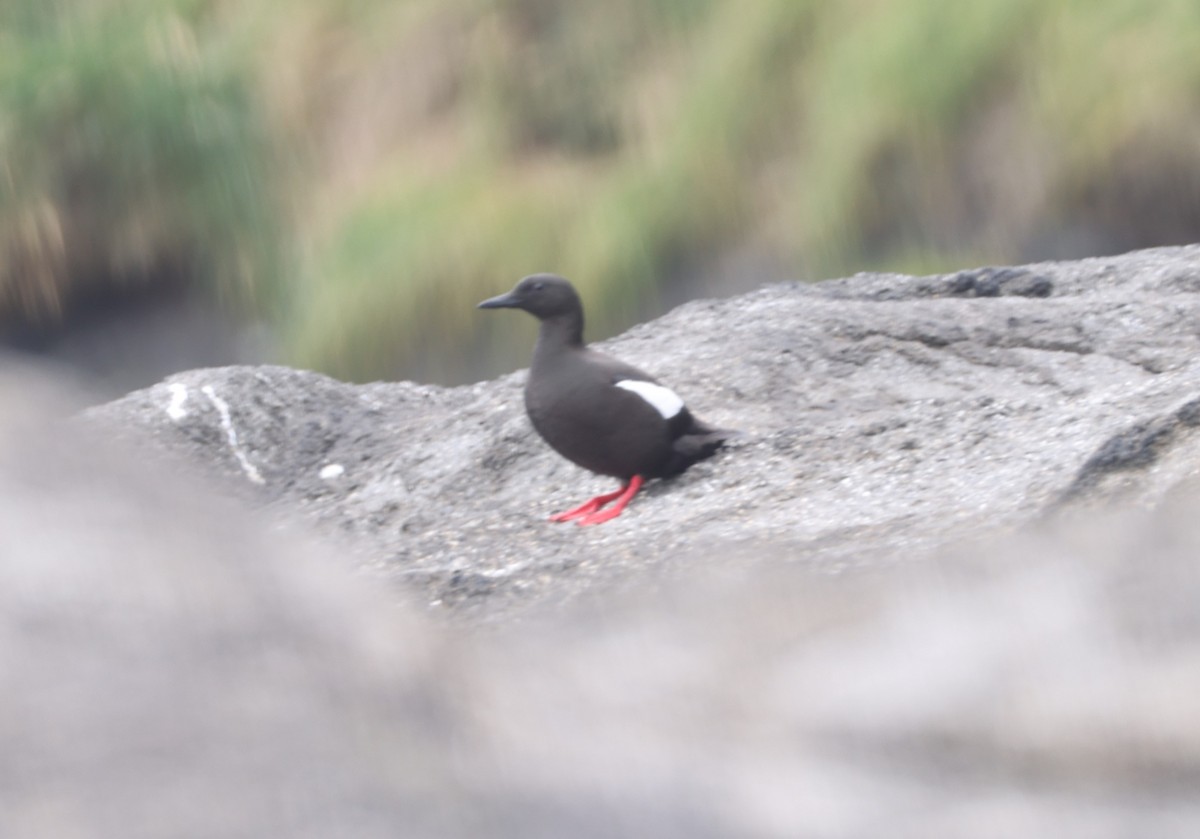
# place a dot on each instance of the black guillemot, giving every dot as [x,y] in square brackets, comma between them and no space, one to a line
[597,412]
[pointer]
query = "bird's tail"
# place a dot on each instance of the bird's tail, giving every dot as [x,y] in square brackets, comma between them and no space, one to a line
[697,443]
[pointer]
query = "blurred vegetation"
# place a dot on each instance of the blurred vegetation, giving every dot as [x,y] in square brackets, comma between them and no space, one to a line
[360,172]
[132,152]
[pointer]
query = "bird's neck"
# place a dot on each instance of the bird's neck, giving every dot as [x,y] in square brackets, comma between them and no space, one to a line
[561,331]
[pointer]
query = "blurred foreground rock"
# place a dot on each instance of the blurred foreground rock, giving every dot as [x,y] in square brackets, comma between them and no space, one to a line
[946,587]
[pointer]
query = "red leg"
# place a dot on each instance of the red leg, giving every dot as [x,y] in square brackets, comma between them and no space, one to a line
[587,507]
[623,499]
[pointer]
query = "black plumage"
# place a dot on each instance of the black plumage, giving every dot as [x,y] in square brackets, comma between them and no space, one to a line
[596,411]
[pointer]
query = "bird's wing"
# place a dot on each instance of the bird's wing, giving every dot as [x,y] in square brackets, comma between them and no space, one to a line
[662,399]
[627,377]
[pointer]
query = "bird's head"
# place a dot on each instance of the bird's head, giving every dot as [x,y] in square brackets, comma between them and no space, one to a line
[542,295]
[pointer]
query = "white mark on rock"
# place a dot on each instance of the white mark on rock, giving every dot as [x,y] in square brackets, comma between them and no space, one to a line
[662,399]
[179,395]
[231,435]
[333,470]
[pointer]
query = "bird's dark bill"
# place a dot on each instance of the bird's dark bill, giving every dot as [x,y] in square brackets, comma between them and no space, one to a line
[504,301]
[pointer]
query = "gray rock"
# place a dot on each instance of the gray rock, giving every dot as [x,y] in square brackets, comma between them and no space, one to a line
[885,415]
[173,668]
[945,587]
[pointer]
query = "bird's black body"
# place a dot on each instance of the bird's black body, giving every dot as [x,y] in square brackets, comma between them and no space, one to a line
[574,403]
[589,407]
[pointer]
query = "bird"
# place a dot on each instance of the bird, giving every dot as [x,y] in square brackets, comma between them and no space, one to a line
[600,413]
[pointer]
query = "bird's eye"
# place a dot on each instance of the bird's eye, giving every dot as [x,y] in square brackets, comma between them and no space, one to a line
[539,286]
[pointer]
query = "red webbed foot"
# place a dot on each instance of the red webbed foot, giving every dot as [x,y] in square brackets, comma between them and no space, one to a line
[592,512]
[587,507]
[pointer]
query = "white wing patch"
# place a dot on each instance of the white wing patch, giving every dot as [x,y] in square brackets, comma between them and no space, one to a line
[662,399]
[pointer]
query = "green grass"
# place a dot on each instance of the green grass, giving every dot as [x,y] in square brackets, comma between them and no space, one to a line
[132,147]
[363,171]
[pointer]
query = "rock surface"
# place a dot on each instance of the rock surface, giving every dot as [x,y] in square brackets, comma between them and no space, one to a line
[885,415]
[1000,466]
